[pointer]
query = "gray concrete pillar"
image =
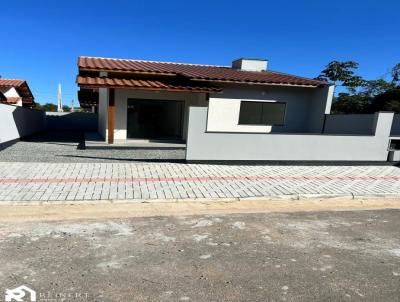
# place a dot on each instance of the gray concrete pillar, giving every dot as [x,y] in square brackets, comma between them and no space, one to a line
[382,123]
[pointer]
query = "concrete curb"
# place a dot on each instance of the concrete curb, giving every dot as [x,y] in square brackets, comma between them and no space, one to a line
[345,196]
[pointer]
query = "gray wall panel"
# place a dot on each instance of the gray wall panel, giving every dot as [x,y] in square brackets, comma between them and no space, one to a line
[250,146]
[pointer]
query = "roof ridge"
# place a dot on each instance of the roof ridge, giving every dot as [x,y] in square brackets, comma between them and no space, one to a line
[151,61]
[10,79]
[293,75]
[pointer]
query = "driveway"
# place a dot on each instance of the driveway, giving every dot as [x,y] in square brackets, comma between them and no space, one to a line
[62,147]
[322,256]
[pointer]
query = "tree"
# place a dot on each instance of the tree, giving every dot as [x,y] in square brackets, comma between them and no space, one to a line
[375,87]
[38,106]
[363,96]
[396,74]
[342,74]
[66,108]
[347,103]
[49,107]
[387,101]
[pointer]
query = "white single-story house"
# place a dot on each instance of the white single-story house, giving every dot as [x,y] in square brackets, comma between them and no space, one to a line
[240,112]
[150,100]
[16,92]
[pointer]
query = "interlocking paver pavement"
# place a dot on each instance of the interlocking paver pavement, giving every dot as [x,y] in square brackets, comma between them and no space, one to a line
[24,182]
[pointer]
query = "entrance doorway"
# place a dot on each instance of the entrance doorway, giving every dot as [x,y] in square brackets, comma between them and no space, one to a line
[155,119]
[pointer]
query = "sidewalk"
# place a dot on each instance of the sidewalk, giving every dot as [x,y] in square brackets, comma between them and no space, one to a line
[33,183]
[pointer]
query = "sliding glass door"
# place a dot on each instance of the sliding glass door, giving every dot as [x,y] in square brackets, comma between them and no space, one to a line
[155,119]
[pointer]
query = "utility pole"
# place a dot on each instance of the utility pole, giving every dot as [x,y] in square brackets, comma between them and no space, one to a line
[72,106]
[59,99]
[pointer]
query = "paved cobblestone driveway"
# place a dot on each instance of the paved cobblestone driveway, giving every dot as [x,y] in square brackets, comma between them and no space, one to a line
[138,181]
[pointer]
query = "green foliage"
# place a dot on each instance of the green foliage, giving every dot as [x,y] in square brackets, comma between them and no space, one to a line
[49,107]
[375,87]
[363,96]
[351,103]
[66,108]
[396,74]
[38,106]
[387,101]
[342,74]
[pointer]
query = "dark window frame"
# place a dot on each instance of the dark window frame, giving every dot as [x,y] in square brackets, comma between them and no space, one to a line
[262,103]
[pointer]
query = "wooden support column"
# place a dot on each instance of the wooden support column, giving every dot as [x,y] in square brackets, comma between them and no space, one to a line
[111,115]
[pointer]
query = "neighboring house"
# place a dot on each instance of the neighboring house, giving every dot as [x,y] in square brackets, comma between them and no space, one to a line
[16,92]
[151,100]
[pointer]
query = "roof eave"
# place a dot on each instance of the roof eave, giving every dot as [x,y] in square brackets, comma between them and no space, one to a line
[258,83]
[90,86]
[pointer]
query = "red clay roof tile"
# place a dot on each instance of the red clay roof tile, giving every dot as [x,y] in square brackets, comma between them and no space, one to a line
[11,82]
[94,82]
[195,72]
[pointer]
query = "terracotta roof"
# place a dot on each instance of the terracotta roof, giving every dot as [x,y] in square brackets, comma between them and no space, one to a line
[11,82]
[195,72]
[93,82]
[22,88]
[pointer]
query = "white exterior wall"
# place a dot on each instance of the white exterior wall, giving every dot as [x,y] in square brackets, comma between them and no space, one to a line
[305,108]
[12,93]
[223,115]
[121,107]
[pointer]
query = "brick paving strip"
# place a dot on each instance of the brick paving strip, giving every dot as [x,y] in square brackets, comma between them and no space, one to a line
[194,179]
[80,182]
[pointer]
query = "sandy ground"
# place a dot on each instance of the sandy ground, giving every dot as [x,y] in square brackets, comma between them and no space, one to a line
[98,210]
[209,252]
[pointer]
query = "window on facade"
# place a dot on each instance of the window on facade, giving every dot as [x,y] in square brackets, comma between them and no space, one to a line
[262,113]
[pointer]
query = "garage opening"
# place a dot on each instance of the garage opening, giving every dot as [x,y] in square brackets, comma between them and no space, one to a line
[155,119]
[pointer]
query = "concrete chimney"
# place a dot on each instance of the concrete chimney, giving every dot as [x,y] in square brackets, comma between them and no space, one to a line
[250,64]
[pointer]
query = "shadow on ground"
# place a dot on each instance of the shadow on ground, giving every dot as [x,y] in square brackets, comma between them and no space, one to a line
[70,146]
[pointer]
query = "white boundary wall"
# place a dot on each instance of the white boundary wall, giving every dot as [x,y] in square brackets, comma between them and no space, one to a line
[17,122]
[396,125]
[349,124]
[83,121]
[209,146]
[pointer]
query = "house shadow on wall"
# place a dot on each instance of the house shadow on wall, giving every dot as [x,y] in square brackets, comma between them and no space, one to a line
[20,123]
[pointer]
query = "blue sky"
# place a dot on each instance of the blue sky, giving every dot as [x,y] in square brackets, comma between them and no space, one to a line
[42,39]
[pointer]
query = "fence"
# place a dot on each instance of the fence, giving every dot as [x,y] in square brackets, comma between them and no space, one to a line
[71,121]
[356,124]
[17,122]
[396,125]
[209,146]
